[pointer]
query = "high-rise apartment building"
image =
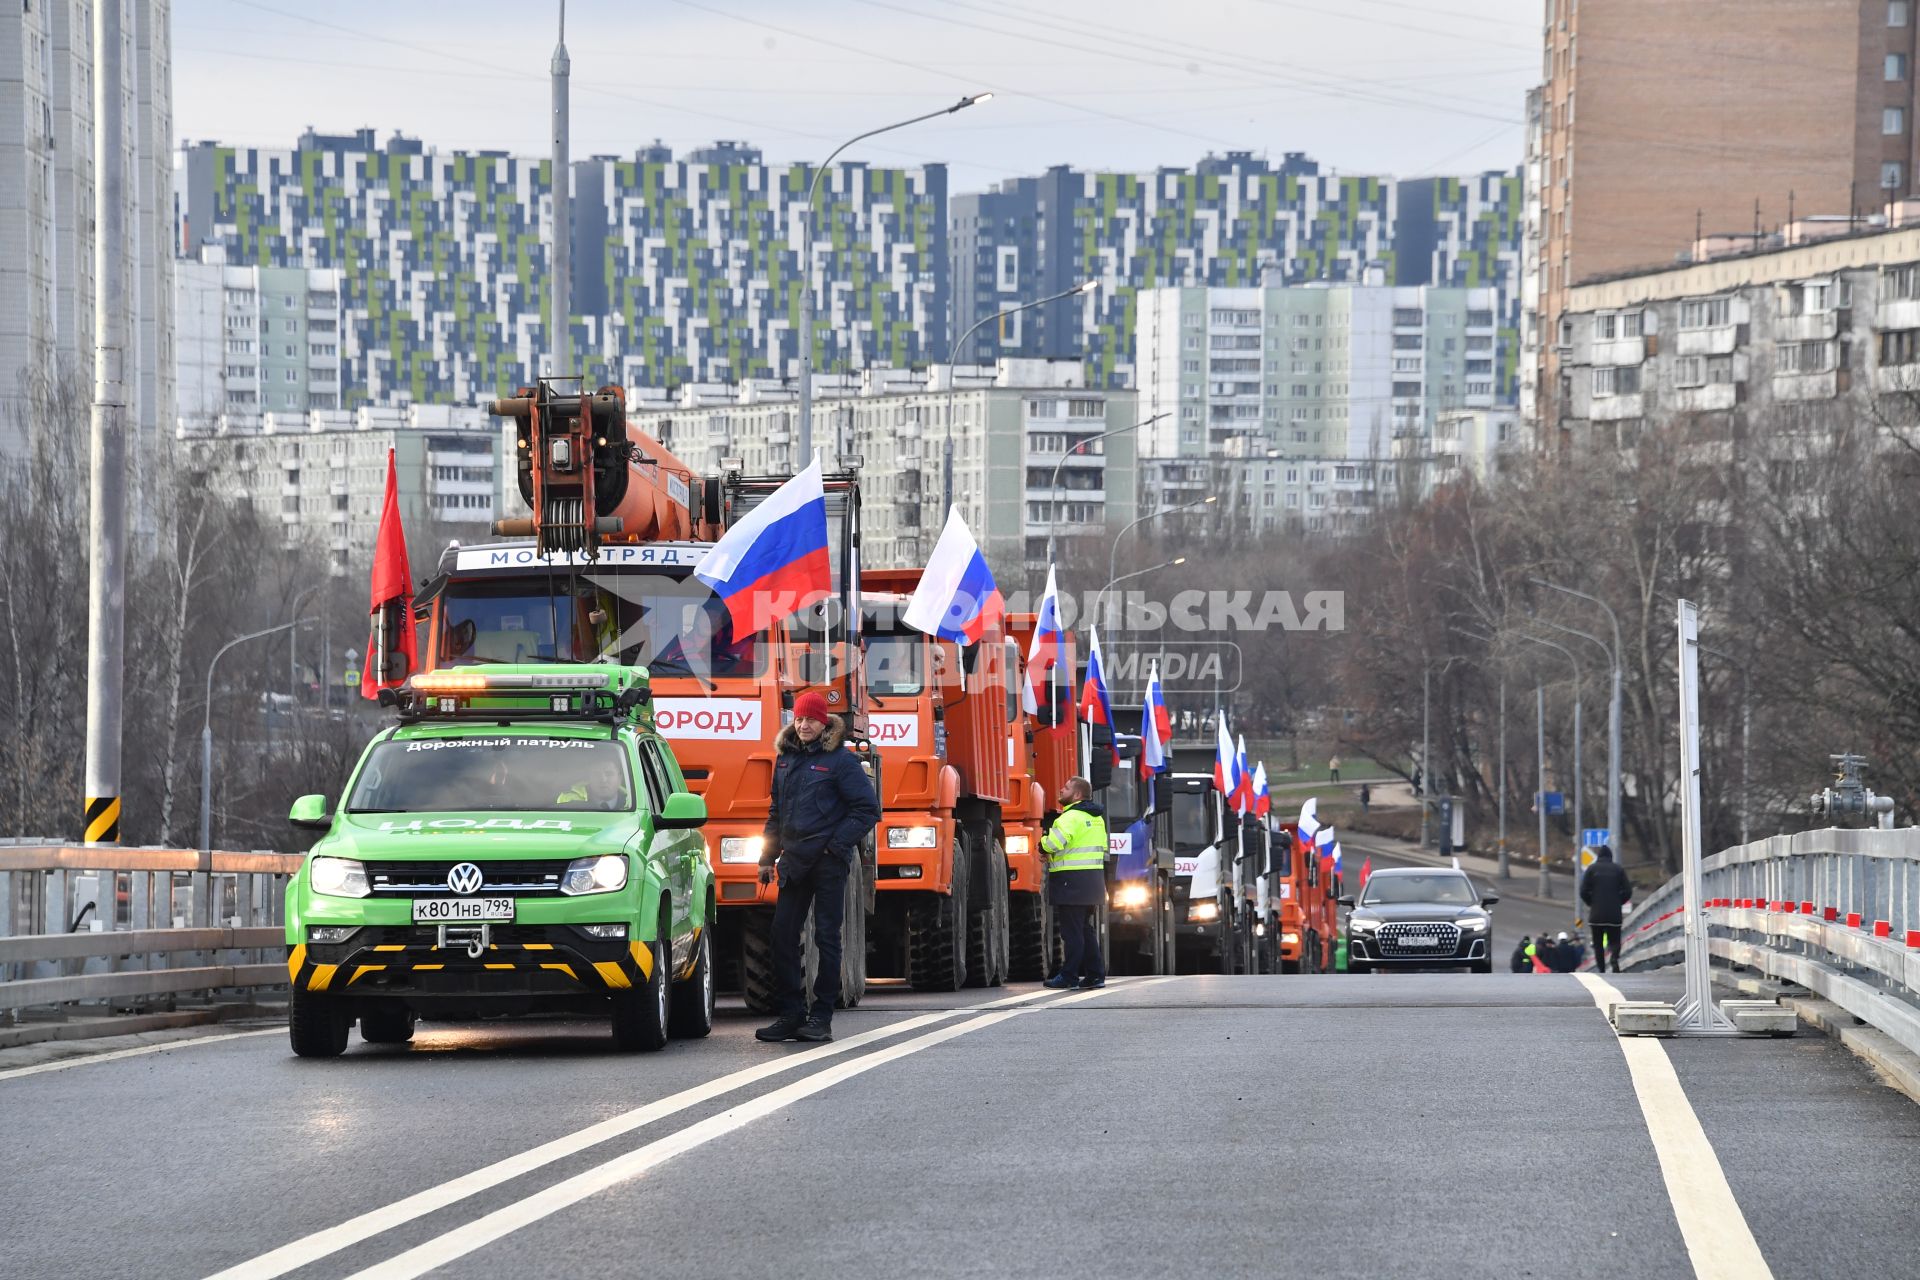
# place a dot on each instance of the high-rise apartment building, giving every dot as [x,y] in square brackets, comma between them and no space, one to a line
[1659,120]
[1233,221]
[255,340]
[1311,371]
[47,212]
[683,270]
[1023,443]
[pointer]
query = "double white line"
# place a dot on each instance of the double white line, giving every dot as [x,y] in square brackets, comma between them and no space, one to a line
[473,1235]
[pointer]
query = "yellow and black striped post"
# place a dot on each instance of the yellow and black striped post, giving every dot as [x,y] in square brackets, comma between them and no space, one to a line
[103,820]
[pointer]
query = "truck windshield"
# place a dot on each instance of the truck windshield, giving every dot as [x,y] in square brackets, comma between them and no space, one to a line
[1192,819]
[1123,794]
[489,774]
[894,665]
[672,626]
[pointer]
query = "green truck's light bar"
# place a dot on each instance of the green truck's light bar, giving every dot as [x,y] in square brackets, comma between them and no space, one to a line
[515,692]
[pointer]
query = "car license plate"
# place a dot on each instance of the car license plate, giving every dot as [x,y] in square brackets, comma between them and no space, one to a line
[1419,940]
[441,910]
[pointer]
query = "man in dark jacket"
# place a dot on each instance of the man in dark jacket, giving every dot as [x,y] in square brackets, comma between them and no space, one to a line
[823,806]
[1606,891]
[1522,959]
[1076,849]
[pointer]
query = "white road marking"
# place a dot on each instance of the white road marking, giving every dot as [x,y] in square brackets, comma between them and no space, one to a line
[299,1253]
[186,1042]
[1719,1242]
[468,1237]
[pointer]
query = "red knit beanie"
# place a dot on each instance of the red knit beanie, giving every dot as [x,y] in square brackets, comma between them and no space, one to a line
[811,706]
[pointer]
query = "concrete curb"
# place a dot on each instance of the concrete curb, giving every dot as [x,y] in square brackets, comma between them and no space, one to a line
[91,1028]
[45,1051]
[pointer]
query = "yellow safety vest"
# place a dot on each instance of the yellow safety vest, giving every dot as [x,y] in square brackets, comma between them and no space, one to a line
[1077,841]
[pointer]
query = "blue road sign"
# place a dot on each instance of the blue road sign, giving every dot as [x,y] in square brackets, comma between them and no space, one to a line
[1556,802]
[1592,837]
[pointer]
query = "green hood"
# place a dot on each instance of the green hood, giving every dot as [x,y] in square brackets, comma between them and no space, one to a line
[479,836]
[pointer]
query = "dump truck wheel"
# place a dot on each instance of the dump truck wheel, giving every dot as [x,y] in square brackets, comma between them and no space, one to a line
[1027,937]
[987,928]
[386,1024]
[756,959]
[937,935]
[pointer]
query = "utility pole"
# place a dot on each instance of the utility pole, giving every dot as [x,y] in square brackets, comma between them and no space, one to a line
[1504,870]
[107,494]
[562,284]
[1540,793]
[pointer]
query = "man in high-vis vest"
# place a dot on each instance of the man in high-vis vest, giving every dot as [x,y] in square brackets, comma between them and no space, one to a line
[1076,849]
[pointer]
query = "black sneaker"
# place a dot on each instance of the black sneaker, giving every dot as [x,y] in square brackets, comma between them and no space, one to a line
[784,1027]
[815,1031]
[1089,984]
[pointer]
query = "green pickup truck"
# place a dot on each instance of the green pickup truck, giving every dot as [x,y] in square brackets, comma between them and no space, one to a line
[521,841]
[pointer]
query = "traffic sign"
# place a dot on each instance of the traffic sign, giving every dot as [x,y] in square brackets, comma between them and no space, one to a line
[1587,858]
[1556,802]
[1594,837]
[351,679]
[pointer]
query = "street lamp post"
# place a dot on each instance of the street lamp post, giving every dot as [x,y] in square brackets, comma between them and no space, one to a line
[806,262]
[293,640]
[1137,573]
[1113,553]
[206,768]
[1053,489]
[1613,714]
[1568,654]
[953,352]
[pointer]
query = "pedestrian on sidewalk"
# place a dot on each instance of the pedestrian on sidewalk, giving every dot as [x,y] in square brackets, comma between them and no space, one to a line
[1333,769]
[822,807]
[1366,797]
[1076,849]
[1606,891]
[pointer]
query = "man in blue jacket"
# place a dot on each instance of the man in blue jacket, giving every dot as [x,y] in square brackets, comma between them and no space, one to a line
[823,806]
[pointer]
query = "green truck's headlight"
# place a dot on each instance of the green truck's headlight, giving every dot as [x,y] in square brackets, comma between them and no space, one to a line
[338,877]
[595,875]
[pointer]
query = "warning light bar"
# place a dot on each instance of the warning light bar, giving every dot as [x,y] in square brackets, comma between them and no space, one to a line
[566,692]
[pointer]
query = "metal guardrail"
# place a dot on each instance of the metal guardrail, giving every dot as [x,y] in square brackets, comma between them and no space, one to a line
[82,923]
[1836,911]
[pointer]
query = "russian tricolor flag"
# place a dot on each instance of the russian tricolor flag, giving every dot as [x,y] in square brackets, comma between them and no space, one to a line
[1309,824]
[1156,728]
[1243,798]
[957,598]
[1327,847]
[1226,763]
[774,562]
[1262,798]
[1095,707]
[1048,651]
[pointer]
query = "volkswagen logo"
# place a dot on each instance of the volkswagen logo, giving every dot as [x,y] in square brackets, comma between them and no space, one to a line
[464,878]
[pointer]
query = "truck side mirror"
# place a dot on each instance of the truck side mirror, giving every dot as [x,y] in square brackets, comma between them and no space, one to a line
[310,813]
[1100,761]
[683,811]
[1346,900]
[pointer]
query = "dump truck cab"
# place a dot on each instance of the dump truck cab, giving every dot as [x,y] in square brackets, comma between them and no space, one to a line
[1203,851]
[1139,875]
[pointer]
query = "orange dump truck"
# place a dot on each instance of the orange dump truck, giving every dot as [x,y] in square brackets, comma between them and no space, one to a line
[938,716]
[603,570]
[1045,754]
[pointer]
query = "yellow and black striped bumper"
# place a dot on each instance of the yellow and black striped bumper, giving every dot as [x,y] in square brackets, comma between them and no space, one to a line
[565,964]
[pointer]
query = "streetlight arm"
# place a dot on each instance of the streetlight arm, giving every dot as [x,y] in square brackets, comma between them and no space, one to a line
[1584,635]
[1102,595]
[221,652]
[1053,489]
[1613,618]
[954,350]
[1113,553]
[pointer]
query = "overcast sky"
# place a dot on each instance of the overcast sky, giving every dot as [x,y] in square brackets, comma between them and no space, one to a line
[1401,87]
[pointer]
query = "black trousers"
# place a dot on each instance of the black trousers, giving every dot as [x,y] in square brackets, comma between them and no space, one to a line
[1606,938]
[1080,939]
[819,882]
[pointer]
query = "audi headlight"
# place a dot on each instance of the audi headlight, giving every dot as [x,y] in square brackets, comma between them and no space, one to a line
[595,875]
[338,877]
[741,848]
[1204,911]
[1130,895]
[1472,924]
[1364,924]
[911,837]
[1019,844]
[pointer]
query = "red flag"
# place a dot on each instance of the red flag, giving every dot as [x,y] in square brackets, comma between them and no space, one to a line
[1366,869]
[392,597]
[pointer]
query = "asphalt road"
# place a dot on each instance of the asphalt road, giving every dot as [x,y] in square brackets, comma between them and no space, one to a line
[1323,1125]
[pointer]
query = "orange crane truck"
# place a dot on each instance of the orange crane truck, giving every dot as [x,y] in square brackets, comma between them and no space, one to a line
[937,714]
[603,571]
